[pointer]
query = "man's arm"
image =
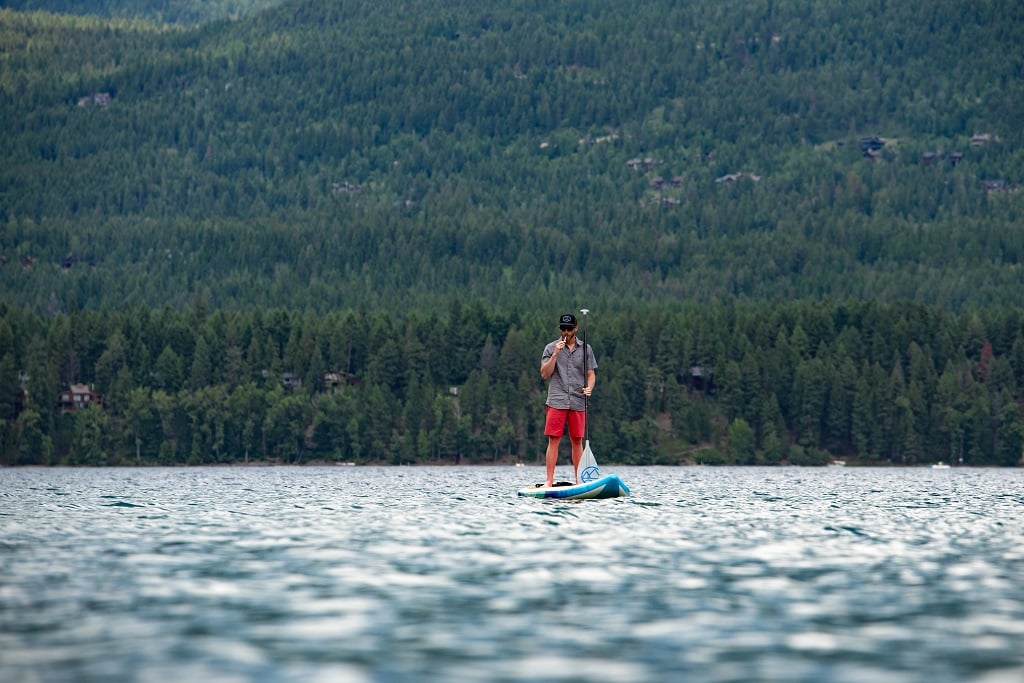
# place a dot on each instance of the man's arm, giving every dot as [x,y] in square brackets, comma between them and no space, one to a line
[547,367]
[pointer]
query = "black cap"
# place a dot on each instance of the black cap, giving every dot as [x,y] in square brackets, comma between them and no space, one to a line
[567,319]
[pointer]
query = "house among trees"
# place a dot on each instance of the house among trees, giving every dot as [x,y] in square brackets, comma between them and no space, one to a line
[339,378]
[78,397]
[871,146]
[699,379]
[100,99]
[637,164]
[730,178]
[658,182]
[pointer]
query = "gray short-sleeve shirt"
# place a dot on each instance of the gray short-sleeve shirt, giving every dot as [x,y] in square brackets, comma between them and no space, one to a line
[565,388]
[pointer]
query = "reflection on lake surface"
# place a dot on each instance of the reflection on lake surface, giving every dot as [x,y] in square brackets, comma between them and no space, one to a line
[424,574]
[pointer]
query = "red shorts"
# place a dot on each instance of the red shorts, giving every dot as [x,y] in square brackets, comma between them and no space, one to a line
[554,424]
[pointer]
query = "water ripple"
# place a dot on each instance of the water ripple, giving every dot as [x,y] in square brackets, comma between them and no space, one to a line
[415,574]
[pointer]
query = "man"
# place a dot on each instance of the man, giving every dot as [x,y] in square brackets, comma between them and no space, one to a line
[562,363]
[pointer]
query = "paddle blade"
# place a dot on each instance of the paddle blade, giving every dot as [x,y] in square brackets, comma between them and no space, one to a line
[588,470]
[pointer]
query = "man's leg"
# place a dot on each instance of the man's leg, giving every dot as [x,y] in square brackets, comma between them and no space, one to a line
[552,458]
[577,453]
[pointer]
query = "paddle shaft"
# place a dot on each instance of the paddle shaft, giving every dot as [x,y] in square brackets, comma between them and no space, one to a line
[586,378]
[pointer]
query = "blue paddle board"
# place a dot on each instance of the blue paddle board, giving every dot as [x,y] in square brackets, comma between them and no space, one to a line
[610,486]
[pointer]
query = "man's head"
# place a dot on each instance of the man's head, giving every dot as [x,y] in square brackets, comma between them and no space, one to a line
[567,323]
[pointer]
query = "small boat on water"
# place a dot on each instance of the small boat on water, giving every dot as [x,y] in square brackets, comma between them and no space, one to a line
[939,466]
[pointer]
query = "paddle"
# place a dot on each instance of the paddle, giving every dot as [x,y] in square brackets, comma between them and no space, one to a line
[587,470]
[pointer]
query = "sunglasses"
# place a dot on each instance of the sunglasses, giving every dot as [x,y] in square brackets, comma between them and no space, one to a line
[566,328]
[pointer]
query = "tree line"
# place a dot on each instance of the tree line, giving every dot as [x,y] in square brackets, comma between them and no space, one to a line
[798,383]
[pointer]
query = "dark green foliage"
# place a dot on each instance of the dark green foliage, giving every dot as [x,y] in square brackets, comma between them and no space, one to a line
[170,11]
[204,218]
[333,154]
[386,403]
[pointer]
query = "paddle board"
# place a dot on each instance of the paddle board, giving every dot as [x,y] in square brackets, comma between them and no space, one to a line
[609,486]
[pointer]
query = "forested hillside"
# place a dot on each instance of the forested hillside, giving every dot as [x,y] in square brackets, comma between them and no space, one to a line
[161,11]
[339,153]
[340,229]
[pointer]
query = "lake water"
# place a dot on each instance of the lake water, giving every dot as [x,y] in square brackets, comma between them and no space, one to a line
[443,574]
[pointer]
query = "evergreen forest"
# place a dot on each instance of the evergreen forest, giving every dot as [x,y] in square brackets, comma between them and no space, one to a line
[798,383]
[181,12]
[342,230]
